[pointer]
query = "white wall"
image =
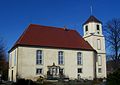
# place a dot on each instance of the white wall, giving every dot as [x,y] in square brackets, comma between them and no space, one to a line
[102,66]
[93,41]
[12,65]
[27,62]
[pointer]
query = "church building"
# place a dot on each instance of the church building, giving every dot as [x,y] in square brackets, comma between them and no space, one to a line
[54,52]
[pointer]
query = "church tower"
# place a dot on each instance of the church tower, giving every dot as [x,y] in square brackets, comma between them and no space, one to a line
[94,36]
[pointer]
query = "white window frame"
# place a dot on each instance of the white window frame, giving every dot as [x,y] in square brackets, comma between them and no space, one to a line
[38,71]
[99,60]
[60,57]
[98,44]
[79,58]
[80,69]
[99,70]
[39,57]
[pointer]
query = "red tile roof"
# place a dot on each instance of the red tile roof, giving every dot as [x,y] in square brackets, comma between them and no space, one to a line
[46,36]
[92,19]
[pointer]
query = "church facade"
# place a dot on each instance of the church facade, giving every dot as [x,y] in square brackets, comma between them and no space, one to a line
[53,52]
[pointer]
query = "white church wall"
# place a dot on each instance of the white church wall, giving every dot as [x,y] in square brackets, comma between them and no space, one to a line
[12,65]
[27,62]
[101,74]
[93,42]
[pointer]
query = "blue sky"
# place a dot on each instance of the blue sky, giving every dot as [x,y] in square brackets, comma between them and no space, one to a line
[16,15]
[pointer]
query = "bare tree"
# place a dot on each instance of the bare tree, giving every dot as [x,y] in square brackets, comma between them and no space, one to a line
[3,62]
[112,32]
[2,50]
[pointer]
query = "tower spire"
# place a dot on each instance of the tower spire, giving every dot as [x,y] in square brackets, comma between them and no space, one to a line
[91,8]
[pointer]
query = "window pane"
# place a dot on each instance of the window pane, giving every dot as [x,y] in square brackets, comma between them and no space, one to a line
[79,58]
[99,70]
[60,57]
[79,70]
[39,57]
[39,71]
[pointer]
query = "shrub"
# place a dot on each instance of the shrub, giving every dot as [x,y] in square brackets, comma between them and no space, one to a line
[114,78]
[25,82]
[40,79]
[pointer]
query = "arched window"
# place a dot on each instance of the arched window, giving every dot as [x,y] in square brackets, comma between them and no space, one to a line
[60,57]
[79,58]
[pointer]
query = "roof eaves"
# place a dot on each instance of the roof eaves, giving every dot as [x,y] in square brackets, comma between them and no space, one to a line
[24,45]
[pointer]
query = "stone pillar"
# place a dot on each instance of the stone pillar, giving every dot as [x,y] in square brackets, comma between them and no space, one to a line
[51,71]
[58,71]
[54,71]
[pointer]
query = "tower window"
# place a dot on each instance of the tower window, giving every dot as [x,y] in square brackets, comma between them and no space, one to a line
[98,44]
[86,28]
[99,60]
[99,70]
[98,27]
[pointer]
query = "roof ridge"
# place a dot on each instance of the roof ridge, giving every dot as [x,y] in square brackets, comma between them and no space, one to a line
[51,27]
